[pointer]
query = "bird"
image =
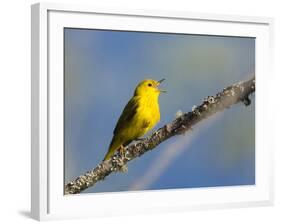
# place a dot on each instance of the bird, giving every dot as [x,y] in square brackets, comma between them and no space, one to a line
[139,116]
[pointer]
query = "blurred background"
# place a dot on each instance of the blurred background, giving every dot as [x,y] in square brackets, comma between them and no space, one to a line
[102,69]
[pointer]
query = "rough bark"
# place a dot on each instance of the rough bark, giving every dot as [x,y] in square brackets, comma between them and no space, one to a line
[229,96]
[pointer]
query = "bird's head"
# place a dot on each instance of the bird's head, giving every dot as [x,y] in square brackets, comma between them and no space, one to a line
[148,87]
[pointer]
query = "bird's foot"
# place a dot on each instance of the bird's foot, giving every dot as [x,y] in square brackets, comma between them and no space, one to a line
[122,151]
[120,161]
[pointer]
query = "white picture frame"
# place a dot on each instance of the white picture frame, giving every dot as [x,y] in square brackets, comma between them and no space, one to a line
[48,201]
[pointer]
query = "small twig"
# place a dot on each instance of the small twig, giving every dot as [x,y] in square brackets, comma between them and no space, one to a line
[229,96]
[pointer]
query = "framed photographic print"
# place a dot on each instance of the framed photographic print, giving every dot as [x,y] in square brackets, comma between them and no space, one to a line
[153,109]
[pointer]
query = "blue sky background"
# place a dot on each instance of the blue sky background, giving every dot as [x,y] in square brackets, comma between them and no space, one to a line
[102,69]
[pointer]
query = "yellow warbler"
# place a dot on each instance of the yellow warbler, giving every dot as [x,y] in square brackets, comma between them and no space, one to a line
[139,116]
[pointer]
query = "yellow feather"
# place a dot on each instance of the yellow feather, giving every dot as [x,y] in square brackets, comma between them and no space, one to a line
[139,116]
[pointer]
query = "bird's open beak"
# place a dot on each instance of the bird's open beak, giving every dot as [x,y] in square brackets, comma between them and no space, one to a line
[159,82]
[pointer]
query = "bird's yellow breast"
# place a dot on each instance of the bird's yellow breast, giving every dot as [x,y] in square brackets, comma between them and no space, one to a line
[148,111]
[146,117]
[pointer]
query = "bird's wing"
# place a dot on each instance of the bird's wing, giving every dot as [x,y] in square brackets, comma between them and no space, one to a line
[127,115]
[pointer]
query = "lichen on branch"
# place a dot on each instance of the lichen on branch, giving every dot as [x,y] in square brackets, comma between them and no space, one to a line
[229,96]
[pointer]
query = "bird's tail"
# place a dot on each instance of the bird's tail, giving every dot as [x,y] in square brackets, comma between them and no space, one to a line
[114,145]
[108,155]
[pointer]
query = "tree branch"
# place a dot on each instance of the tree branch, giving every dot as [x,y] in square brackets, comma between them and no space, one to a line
[229,96]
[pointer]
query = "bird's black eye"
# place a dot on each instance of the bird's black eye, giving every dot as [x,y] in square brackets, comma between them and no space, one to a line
[149,84]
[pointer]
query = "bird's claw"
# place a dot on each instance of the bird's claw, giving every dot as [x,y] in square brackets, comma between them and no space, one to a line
[122,151]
